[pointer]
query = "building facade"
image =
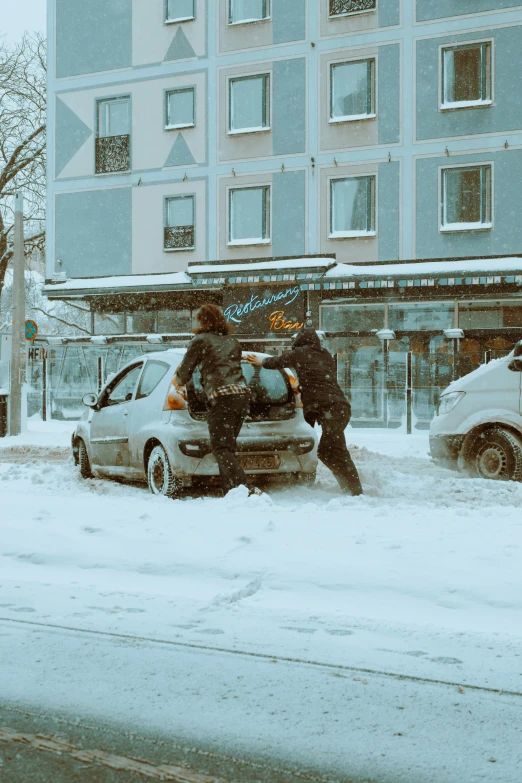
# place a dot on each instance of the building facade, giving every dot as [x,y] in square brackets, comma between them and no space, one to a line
[363,132]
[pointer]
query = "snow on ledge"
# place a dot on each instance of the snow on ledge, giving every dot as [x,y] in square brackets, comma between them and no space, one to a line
[427,268]
[294,263]
[120,281]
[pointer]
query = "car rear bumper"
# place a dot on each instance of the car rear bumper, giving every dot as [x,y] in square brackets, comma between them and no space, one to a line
[446,448]
[200,447]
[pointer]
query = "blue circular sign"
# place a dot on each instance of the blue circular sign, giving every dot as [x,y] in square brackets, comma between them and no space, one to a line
[31,330]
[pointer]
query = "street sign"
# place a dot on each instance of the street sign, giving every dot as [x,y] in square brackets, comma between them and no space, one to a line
[30,330]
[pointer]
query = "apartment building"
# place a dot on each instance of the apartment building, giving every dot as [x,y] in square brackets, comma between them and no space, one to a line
[360,132]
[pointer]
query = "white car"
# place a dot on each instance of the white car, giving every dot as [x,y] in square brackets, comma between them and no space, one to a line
[478,426]
[140,428]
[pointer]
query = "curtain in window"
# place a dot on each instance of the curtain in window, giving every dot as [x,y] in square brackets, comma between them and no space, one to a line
[180,212]
[247,10]
[351,207]
[180,9]
[351,89]
[463,196]
[463,74]
[248,103]
[114,118]
[248,214]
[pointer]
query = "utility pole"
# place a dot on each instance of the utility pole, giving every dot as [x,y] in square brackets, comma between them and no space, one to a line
[17,346]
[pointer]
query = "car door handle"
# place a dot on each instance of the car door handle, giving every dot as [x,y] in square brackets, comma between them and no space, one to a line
[125,413]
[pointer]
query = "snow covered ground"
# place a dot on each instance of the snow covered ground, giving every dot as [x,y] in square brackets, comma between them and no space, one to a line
[420,577]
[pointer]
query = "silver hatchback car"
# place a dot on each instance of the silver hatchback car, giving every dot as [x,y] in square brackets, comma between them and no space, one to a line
[139,428]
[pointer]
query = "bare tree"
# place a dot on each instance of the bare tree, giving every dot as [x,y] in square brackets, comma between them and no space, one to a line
[22,142]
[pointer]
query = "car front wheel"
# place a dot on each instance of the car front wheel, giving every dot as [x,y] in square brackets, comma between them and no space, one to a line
[497,455]
[83,461]
[160,477]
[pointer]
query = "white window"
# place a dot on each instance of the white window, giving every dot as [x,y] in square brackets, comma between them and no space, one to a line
[180,108]
[245,11]
[179,10]
[352,91]
[114,117]
[352,207]
[179,231]
[466,76]
[466,198]
[346,7]
[249,109]
[249,216]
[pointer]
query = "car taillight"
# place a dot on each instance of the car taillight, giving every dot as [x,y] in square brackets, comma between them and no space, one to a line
[175,399]
[295,388]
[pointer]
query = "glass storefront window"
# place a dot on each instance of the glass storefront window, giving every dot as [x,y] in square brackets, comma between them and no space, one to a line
[109,323]
[141,323]
[421,317]
[174,321]
[352,318]
[489,315]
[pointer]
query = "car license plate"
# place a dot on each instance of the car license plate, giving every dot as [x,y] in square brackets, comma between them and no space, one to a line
[260,461]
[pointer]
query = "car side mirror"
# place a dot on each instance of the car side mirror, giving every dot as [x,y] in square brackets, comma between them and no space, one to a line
[90,400]
[515,365]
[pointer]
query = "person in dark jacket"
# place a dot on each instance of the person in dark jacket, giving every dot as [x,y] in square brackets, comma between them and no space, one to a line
[323,402]
[219,356]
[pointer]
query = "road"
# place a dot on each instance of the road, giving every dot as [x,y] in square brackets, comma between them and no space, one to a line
[246,717]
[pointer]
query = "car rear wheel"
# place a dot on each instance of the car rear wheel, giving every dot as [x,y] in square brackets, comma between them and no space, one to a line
[83,461]
[497,455]
[160,477]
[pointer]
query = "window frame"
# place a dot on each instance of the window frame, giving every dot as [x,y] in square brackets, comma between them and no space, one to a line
[267,208]
[101,102]
[180,126]
[451,228]
[372,62]
[149,363]
[166,203]
[266,18]
[356,234]
[139,364]
[178,19]
[347,14]
[267,103]
[483,103]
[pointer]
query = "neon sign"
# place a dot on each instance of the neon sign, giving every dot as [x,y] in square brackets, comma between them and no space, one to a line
[278,322]
[237,311]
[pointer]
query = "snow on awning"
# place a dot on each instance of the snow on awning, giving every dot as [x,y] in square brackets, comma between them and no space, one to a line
[86,286]
[263,266]
[440,268]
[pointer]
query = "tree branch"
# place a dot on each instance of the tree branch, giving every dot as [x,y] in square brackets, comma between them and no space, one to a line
[62,320]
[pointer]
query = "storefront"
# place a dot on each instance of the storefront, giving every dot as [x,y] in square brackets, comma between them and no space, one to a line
[398,331]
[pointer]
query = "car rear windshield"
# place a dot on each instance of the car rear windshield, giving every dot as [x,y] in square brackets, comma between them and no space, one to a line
[271,394]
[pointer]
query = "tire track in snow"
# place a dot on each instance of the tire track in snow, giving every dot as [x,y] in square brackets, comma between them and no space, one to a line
[263,656]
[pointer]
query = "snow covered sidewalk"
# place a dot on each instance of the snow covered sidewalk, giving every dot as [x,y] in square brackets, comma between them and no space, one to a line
[420,577]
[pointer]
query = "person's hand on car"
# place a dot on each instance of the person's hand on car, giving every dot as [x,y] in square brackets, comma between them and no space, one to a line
[252,358]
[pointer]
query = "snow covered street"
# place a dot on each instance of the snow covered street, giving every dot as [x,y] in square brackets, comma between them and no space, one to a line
[420,577]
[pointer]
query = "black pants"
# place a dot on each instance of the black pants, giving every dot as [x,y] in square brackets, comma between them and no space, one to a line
[332,447]
[225,419]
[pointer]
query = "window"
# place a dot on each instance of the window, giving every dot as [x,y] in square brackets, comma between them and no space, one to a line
[244,11]
[420,317]
[466,198]
[352,91]
[180,108]
[352,318]
[141,322]
[345,7]
[490,315]
[124,388]
[466,75]
[179,10]
[249,104]
[249,216]
[153,373]
[174,321]
[113,138]
[179,223]
[109,323]
[352,207]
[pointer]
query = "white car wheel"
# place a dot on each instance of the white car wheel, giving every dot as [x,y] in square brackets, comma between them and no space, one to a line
[161,480]
[83,461]
[497,455]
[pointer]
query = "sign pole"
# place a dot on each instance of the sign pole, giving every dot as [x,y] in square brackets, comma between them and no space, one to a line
[18,342]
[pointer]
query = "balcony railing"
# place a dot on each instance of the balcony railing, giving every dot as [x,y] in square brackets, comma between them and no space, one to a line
[179,237]
[341,7]
[112,154]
